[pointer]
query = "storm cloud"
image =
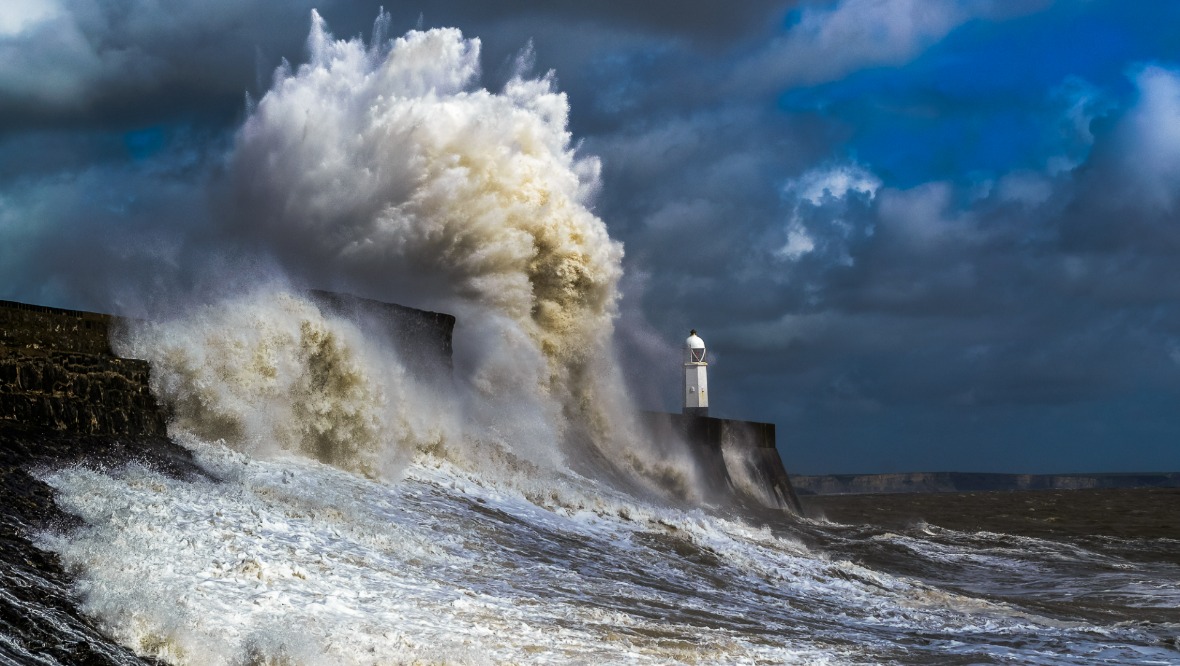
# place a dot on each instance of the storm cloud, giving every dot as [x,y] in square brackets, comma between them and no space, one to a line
[916,237]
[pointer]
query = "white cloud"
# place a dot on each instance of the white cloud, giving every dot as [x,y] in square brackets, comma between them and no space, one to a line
[1026,187]
[18,15]
[816,188]
[1149,138]
[62,55]
[1081,103]
[799,243]
[48,60]
[923,217]
[835,39]
[835,182]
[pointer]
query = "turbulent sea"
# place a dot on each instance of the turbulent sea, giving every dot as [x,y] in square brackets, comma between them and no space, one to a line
[338,509]
[289,561]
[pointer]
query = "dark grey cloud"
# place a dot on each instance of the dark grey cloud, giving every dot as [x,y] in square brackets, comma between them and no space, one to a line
[699,20]
[948,322]
[123,61]
[947,302]
[106,236]
[81,61]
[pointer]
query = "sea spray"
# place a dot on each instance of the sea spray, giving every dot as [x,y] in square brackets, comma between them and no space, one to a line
[269,371]
[385,170]
[397,176]
[291,561]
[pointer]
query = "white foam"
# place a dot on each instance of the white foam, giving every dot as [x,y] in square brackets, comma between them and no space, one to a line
[288,558]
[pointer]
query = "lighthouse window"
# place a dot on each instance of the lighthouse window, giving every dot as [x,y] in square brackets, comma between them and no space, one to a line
[696,355]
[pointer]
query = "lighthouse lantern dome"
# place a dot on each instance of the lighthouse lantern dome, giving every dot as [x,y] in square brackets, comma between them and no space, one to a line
[695,347]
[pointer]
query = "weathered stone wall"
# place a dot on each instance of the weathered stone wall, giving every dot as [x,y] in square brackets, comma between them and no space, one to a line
[95,394]
[57,371]
[35,327]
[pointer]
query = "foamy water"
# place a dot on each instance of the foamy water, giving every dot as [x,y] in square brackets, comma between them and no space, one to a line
[289,560]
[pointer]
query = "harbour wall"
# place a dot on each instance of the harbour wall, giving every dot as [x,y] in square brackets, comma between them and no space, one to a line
[422,338]
[57,372]
[733,458]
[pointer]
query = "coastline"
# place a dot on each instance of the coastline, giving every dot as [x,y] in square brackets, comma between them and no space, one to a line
[967,482]
[40,609]
[1133,523]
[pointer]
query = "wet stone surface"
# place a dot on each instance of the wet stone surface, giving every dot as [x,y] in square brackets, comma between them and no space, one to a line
[39,616]
[87,393]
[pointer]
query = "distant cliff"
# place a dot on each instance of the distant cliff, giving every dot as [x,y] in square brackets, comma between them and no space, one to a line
[958,482]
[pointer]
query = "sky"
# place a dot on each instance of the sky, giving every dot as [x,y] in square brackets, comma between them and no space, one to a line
[917,236]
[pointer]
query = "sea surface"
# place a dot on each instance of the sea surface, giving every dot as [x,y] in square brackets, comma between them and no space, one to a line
[338,509]
[288,561]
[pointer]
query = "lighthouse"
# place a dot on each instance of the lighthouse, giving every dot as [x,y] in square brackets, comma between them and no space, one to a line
[696,382]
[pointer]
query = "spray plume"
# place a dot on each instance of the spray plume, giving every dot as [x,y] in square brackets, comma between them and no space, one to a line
[386,170]
[389,170]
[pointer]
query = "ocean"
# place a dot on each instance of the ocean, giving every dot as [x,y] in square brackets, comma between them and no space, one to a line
[285,560]
[340,508]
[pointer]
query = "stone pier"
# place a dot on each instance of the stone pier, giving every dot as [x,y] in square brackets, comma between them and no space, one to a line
[733,458]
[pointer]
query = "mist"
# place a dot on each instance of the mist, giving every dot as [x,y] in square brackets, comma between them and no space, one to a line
[385,170]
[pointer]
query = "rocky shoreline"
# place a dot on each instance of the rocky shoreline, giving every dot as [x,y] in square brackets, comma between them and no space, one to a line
[39,616]
[65,399]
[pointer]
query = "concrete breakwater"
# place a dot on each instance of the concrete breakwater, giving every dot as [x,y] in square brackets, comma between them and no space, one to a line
[734,458]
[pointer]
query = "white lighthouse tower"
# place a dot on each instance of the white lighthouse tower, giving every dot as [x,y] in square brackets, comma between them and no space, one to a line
[696,381]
